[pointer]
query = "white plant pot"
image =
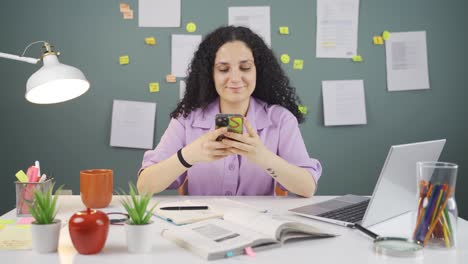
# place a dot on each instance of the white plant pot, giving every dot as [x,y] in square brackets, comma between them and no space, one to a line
[45,237]
[139,237]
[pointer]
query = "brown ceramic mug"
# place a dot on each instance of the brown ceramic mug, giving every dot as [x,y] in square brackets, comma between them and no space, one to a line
[96,187]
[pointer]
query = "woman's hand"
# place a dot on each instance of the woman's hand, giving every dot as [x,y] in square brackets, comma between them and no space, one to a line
[248,144]
[206,148]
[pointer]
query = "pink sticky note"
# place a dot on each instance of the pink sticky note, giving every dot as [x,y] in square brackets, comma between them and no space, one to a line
[25,221]
[249,251]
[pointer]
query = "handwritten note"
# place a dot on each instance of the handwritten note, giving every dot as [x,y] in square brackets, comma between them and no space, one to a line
[123,60]
[285,58]
[298,64]
[150,41]
[284,30]
[154,87]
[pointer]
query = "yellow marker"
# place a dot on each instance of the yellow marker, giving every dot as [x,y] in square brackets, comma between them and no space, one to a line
[298,64]
[154,87]
[21,176]
[150,41]
[191,27]
[386,35]
[302,109]
[124,60]
[170,78]
[378,40]
[284,30]
[357,58]
[285,58]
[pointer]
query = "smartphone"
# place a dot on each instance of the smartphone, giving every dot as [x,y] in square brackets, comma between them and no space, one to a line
[234,123]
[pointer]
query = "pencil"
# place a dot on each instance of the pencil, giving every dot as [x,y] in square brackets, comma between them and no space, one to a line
[428,234]
[446,236]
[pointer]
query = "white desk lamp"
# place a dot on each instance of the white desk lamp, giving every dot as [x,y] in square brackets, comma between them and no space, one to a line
[54,82]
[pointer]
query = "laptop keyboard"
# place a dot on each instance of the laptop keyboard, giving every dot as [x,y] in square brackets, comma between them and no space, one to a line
[352,214]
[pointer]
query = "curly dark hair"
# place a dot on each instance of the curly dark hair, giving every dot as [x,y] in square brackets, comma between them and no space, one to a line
[272,84]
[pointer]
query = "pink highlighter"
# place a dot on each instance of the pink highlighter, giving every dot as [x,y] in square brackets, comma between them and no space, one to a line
[32,174]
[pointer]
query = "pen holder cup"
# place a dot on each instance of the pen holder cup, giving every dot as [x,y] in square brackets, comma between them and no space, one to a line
[436,214]
[25,195]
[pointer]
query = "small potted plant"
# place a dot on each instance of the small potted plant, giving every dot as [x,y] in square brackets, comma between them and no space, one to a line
[45,229]
[139,226]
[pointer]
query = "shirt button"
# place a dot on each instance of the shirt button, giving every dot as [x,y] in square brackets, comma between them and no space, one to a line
[229,193]
[231,167]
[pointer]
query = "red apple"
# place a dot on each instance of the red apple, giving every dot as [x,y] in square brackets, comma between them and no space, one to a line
[88,230]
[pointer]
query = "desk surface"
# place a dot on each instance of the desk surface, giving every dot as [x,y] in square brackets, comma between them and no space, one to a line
[350,247]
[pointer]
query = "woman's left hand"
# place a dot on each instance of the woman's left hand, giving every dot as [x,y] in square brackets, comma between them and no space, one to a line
[248,144]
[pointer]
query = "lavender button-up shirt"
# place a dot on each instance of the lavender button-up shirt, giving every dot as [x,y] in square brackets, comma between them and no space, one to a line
[235,175]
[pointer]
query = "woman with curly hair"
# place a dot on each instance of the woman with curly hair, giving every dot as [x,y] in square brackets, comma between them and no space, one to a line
[233,72]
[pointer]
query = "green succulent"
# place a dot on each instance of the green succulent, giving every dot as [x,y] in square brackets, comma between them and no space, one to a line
[43,208]
[136,205]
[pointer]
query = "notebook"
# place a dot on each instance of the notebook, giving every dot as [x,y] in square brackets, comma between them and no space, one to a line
[394,193]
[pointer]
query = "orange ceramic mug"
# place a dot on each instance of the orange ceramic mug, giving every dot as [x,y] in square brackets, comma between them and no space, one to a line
[96,187]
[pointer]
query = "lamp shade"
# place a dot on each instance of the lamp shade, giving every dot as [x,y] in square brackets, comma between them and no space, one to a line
[55,82]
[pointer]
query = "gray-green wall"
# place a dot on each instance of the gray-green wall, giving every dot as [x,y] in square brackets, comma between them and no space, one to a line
[92,35]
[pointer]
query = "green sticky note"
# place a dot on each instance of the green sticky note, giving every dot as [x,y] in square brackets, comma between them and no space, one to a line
[191,27]
[154,87]
[302,109]
[7,221]
[285,58]
[284,30]
[124,60]
[298,64]
[386,35]
[357,58]
[21,176]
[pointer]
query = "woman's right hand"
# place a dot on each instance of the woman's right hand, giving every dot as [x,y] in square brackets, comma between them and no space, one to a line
[206,148]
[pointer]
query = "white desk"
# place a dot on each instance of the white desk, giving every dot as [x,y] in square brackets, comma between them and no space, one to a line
[350,247]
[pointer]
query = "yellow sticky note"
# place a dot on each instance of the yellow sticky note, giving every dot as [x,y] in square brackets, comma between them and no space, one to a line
[170,78]
[21,176]
[386,35]
[128,14]
[7,221]
[378,40]
[298,64]
[124,60]
[191,27]
[150,41]
[154,87]
[357,58]
[302,109]
[284,30]
[285,58]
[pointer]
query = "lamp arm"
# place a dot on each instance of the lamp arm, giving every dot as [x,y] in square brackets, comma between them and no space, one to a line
[19,58]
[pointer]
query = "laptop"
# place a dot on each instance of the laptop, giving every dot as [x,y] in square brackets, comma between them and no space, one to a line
[394,193]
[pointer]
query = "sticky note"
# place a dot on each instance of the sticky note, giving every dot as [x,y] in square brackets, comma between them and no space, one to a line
[154,87]
[128,14]
[357,58]
[284,30]
[249,251]
[285,58]
[378,40]
[298,64]
[124,60]
[191,27]
[170,78]
[25,221]
[21,176]
[302,109]
[6,221]
[124,7]
[150,41]
[386,35]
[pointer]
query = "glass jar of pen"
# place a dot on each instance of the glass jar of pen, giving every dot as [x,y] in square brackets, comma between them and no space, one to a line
[436,216]
[25,194]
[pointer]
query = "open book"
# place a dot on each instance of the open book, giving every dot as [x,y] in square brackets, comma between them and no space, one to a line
[216,209]
[240,229]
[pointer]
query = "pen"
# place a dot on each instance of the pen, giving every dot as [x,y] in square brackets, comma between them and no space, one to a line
[176,208]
